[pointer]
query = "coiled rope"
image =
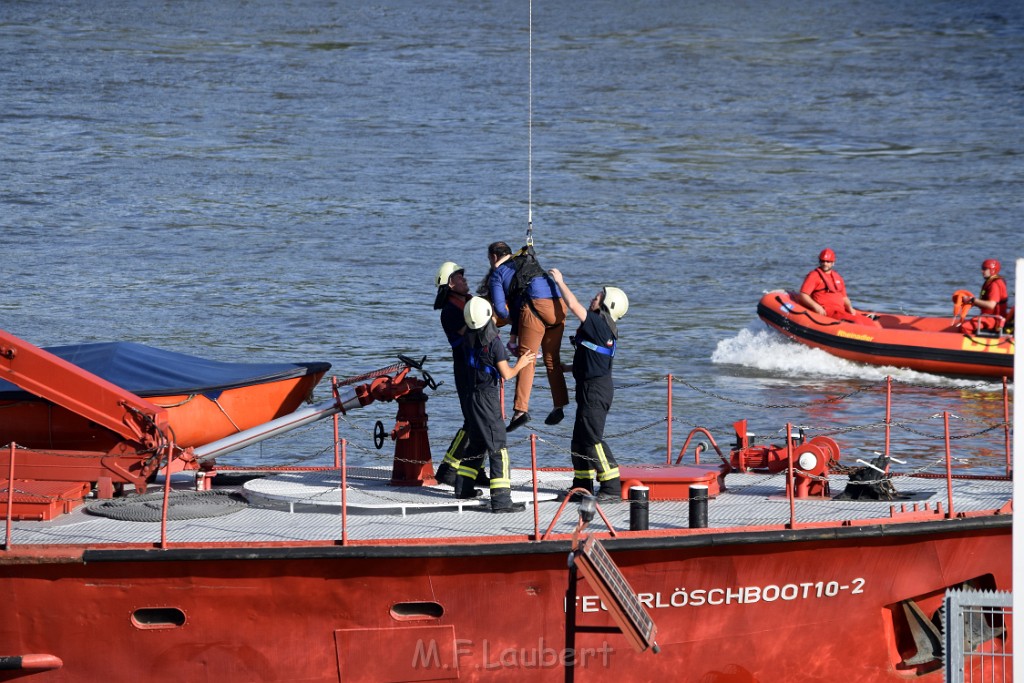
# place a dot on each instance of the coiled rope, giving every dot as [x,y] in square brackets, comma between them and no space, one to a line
[148,507]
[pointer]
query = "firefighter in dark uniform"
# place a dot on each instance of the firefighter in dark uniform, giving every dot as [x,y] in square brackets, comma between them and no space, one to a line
[595,343]
[452,295]
[487,361]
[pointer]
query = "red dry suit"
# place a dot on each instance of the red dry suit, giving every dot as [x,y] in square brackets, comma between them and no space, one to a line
[994,289]
[829,291]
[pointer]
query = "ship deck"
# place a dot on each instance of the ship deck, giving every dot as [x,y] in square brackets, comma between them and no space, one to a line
[305,506]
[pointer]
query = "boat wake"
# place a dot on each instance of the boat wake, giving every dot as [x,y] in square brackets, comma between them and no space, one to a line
[766,350]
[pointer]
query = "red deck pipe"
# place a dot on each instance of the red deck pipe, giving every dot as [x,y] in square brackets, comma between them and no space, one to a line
[167,497]
[533,473]
[31,663]
[949,466]
[10,499]
[668,450]
[343,466]
[888,416]
[502,394]
[1006,428]
[334,390]
[791,489]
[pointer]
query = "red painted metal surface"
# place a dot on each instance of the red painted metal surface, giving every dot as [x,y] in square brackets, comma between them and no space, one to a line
[670,482]
[332,619]
[412,464]
[42,500]
[743,605]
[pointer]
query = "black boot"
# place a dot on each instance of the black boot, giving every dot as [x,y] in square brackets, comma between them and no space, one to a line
[464,488]
[585,484]
[446,474]
[610,491]
[501,501]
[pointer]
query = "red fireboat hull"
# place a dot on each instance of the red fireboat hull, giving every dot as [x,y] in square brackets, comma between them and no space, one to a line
[801,605]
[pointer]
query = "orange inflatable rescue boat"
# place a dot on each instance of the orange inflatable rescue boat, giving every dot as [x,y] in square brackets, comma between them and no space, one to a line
[927,344]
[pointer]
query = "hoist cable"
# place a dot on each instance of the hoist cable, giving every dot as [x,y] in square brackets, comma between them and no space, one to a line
[529,171]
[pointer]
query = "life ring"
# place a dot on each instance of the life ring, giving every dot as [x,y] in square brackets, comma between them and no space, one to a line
[961,297]
[628,484]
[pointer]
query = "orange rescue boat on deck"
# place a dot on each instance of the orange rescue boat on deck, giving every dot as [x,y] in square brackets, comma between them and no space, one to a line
[205,400]
[926,344]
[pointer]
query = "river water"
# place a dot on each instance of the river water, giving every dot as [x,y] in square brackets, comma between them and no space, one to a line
[280,181]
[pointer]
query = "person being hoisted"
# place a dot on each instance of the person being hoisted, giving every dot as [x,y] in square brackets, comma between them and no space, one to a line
[487,361]
[522,293]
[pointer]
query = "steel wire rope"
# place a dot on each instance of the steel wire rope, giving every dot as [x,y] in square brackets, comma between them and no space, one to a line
[529,135]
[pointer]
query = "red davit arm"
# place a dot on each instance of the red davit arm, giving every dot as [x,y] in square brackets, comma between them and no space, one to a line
[45,375]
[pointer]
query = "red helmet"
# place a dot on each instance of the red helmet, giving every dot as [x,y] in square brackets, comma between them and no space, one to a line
[827,255]
[991,264]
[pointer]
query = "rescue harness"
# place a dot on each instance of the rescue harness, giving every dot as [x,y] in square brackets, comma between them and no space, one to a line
[473,359]
[587,344]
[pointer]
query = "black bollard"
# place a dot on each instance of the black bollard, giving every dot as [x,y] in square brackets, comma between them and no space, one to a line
[638,504]
[698,506]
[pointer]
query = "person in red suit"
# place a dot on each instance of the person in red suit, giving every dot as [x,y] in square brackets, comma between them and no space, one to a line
[992,300]
[824,292]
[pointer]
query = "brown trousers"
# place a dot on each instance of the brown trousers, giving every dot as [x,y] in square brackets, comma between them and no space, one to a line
[534,335]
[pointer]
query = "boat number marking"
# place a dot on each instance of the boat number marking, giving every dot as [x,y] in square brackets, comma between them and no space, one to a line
[742,595]
[970,344]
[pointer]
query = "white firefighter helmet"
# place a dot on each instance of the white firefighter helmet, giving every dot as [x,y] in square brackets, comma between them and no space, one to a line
[477,313]
[616,301]
[447,269]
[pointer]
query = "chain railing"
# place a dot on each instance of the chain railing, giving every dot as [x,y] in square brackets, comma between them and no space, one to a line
[551,440]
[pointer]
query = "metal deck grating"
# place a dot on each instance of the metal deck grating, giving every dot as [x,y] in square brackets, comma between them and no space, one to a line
[389,513]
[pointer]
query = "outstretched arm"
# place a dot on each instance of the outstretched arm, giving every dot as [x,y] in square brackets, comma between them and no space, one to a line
[508,372]
[570,299]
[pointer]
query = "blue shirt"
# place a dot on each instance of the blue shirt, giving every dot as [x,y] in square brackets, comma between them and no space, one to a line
[500,282]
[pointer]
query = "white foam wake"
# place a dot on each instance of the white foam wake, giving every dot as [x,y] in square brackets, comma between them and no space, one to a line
[766,350]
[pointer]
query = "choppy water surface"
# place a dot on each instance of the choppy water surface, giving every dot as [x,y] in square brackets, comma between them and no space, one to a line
[280,180]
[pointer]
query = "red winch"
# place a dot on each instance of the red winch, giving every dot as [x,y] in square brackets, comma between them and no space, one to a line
[811,460]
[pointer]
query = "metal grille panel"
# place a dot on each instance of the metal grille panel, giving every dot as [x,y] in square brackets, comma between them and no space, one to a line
[978,648]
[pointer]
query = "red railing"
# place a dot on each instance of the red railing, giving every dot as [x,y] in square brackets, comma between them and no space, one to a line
[340,462]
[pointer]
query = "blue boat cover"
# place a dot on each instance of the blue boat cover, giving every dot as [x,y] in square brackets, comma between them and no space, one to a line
[148,371]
